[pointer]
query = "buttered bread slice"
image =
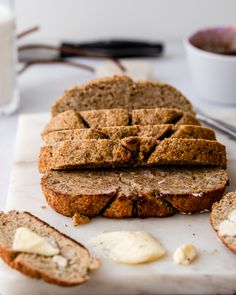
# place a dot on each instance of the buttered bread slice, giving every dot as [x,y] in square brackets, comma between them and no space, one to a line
[23,236]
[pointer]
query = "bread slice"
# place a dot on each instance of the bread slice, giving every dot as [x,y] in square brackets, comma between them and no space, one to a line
[104,118]
[80,263]
[119,132]
[220,211]
[188,152]
[130,152]
[117,117]
[146,192]
[120,92]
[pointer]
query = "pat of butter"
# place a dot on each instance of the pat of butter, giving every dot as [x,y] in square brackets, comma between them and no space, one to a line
[135,69]
[232,216]
[127,247]
[227,228]
[185,254]
[60,260]
[27,241]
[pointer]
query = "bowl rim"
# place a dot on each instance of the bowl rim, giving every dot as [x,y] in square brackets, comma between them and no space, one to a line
[189,45]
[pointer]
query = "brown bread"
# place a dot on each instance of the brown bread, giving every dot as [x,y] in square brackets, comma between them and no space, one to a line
[117,117]
[120,92]
[220,211]
[80,263]
[130,152]
[119,132]
[146,192]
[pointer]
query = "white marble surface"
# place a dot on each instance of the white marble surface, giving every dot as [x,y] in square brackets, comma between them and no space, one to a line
[213,272]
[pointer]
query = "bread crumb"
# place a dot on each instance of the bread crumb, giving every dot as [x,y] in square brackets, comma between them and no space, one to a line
[79,219]
[43,207]
[214,251]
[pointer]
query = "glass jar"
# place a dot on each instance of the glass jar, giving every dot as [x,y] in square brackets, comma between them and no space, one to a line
[9,95]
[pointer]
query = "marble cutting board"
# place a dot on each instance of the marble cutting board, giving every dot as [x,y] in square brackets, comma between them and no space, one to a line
[214,272]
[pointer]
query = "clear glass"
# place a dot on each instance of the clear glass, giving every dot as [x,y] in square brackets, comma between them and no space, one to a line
[9,95]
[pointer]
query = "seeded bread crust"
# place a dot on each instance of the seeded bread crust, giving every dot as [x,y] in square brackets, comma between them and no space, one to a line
[152,192]
[117,117]
[119,132]
[120,92]
[130,152]
[39,266]
[220,211]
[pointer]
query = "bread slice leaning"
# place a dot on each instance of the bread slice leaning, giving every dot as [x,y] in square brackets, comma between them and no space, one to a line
[121,92]
[80,263]
[220,211]
[149,192]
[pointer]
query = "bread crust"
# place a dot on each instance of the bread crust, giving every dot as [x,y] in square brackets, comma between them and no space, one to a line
[68,205]
[190,203]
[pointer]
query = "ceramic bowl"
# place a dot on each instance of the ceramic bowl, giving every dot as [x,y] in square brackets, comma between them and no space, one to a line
[211,54]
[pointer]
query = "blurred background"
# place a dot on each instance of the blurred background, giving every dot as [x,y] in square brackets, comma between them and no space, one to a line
[148,19]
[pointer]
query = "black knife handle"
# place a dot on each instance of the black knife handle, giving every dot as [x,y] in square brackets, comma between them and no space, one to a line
[116,48]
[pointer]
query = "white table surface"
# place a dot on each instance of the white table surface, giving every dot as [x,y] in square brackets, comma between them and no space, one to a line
[42,84]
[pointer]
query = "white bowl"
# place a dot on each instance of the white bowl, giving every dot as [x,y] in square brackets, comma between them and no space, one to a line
[214,74]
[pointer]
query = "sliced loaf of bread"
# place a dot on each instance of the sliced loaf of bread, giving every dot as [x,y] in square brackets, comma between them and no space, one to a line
[146,192]
[119,132]
[117,117]
[78,260]
[220,213]
[120,92]
[130,152]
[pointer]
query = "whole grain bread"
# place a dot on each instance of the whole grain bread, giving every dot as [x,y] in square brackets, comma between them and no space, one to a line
[130,152]
[188,152]
[137,192]
[117,117]
[120,92]
[220,212]
[119,132]
[79,261]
